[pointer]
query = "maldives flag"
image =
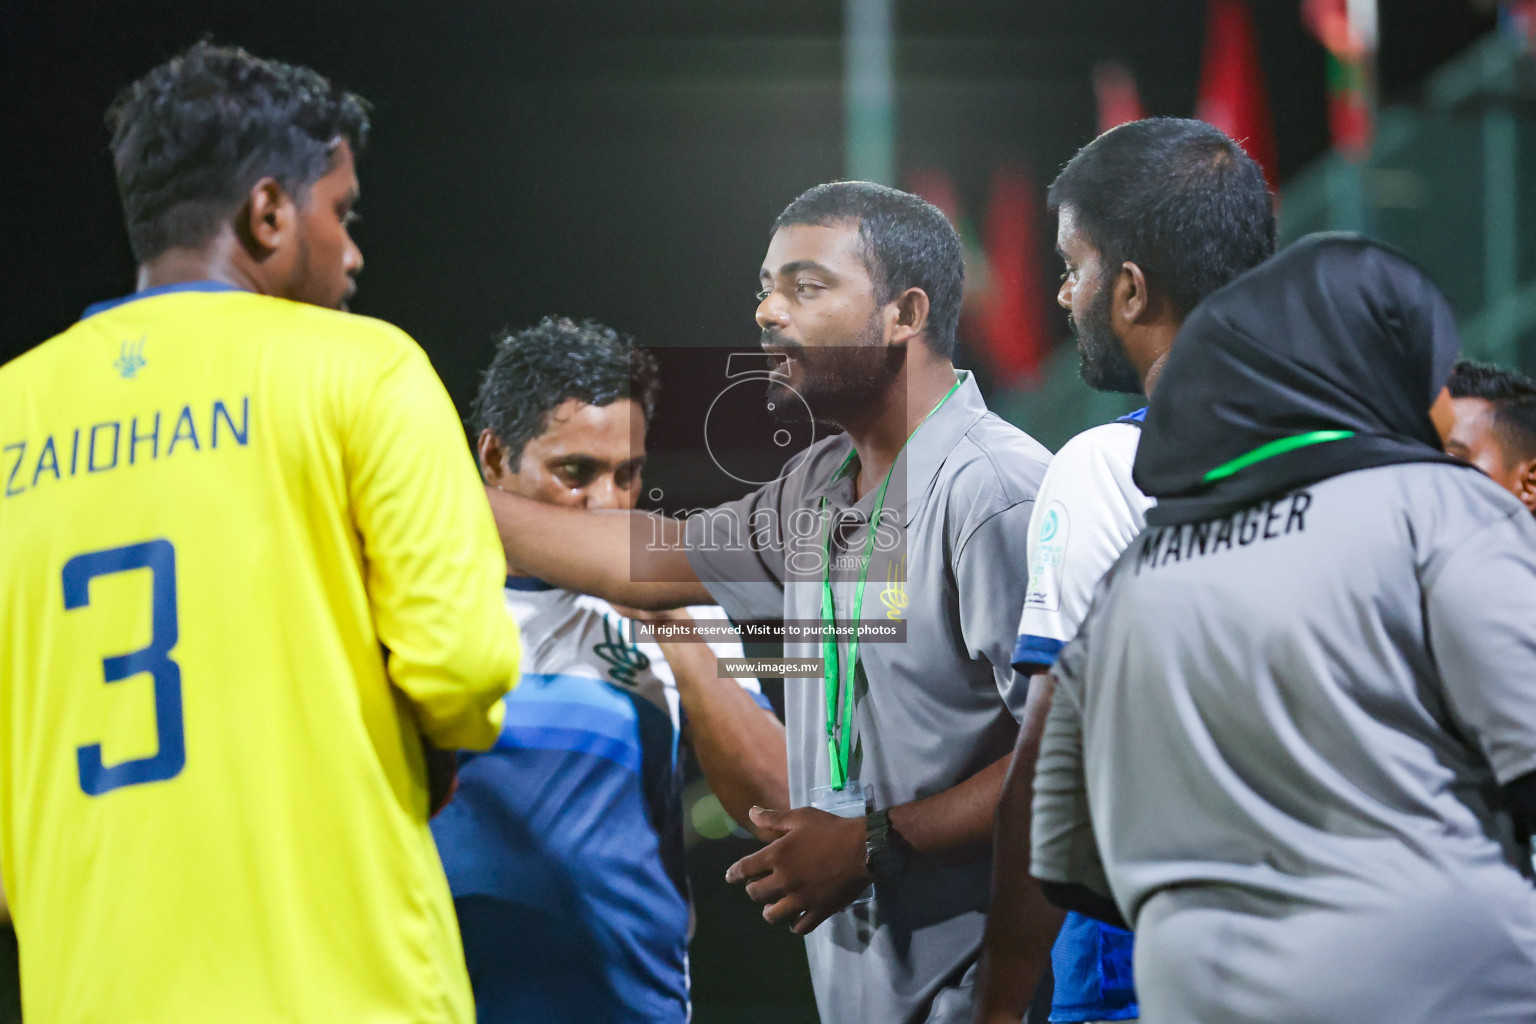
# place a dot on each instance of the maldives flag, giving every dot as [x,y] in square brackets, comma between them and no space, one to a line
[1006,299]
[1347,30]
[1012,319]
[1115,91]
[1232,95]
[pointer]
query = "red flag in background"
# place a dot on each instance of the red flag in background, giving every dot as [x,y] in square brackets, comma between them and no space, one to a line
[1115,90]
[1006,301]
[1232,95]
[1347,30]
[1518,19]
[1011,322]
[937,187]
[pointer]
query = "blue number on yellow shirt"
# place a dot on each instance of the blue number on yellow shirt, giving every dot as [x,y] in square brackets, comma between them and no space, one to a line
[159,557]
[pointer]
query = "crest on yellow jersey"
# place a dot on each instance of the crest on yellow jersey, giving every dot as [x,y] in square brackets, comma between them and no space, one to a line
[130,358]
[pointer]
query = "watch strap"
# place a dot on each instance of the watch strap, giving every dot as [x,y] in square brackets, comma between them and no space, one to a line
[884,849]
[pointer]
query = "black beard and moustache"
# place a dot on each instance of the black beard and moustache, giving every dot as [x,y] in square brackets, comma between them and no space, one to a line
[838,383]
[1104,366]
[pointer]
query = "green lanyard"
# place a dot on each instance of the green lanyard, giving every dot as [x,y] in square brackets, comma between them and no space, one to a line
[838,685]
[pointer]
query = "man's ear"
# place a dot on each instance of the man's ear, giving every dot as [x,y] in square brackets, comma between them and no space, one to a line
[268,219]
[911,316]
[1525,482]
[493,457]
[1132,302]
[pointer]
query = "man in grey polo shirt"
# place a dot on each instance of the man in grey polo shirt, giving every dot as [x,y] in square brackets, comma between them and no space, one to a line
[861,294]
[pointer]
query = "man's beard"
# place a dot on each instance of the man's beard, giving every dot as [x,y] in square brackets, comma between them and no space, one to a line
[838,383]
[1104,365]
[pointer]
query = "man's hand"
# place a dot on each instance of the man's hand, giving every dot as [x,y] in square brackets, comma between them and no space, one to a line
[811,871]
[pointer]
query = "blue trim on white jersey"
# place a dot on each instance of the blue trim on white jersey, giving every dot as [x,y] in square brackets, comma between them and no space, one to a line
[1036,652]
[164,289]
[1138,417]
[528,584]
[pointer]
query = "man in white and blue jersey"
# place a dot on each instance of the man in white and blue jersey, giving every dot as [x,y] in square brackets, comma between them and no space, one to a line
[1151,217]
[563,844]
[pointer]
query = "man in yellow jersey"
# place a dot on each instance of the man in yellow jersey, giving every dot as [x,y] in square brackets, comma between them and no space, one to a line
[246,565]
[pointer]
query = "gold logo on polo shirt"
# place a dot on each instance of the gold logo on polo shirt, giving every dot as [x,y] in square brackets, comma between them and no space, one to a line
[894,596]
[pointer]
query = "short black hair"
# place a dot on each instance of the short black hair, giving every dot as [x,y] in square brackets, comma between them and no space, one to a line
[1174,196]
[537,368]
[1512,396]
[908,243]
[194,135]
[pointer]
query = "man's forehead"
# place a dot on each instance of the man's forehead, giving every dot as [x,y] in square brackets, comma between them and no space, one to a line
[836,245]
[1473,427]
[1067,234]
[1473,413]
[577,423]
[1471,406]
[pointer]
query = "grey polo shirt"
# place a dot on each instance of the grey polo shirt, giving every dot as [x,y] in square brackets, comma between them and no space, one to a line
[931,711]
[1284,730]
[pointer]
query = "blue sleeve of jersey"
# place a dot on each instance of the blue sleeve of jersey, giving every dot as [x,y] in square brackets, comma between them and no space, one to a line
[1033,653]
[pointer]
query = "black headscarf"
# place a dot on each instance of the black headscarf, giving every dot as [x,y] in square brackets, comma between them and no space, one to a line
[1323,360]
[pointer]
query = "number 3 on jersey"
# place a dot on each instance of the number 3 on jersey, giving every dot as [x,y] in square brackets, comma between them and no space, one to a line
[159,557]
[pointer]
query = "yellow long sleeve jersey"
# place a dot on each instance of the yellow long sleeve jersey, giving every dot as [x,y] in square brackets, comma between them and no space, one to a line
[245,563]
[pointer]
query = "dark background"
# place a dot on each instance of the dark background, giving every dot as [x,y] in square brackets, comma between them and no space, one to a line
[614,160]
[620,161]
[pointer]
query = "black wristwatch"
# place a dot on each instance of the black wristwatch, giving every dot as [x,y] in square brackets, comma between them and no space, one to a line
[885,852]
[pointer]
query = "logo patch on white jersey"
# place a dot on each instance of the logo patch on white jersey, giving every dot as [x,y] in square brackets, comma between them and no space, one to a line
[1050,555]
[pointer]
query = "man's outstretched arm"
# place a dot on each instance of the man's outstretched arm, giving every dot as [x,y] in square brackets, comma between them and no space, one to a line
[636,559]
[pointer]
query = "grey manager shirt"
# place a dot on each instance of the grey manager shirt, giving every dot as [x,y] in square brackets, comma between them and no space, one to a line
[931,711]
[1285,730]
